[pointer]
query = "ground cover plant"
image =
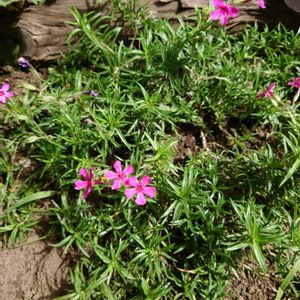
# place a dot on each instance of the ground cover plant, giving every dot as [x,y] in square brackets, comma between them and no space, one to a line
[5,3]
[162,159]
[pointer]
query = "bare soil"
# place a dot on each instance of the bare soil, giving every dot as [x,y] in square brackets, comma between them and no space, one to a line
[33,271]
[251,284]
[15,78]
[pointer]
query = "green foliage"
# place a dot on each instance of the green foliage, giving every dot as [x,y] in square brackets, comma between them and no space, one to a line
[7,2]
[18,3]
[237,190]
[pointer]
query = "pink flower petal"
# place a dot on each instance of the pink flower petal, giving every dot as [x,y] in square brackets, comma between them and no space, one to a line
[271,87]
[260,95]
[149,191]
[110,175]
[233,11]
[117,184]
[126,181]
[130,193]
[87,191]
[215,15]
[133,181]
[145,180]
[8,94]
[218,3]
[128,170]
[80,184]
[295,82]
[117,166]
[261,3]
[3,99]
[84,173]
[140,200]
[223,20]
[5,87]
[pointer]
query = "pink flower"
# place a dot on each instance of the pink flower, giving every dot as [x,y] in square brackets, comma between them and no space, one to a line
[261,4]
[295,82]
[223,11]
[120,176]
[4,94]
[269,91]
[87,183]
[140,189]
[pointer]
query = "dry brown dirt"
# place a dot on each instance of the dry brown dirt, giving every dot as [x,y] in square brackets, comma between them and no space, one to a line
[33,271]
[251,284]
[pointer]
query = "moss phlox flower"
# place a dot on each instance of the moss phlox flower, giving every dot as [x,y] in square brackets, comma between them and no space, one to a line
[223,11]
[4,93]
[268,92]
[120,176]
[140,189]
[87,183]
[295,82]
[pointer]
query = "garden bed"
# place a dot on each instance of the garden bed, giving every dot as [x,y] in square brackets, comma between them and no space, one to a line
[208,123]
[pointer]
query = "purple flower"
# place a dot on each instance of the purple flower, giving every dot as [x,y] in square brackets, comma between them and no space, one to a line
[87,183]
[24,63]
[94,93]
[295,82]
[268,92]
[140,189]
[4,93]
[223,11]
[120,176]
[91,93]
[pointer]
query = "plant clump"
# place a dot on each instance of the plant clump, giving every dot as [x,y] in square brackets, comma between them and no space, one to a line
[117,112]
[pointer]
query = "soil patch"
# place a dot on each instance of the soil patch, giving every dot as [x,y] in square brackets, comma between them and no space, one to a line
[192,139]
[251,284]
[16,78]
[33,271]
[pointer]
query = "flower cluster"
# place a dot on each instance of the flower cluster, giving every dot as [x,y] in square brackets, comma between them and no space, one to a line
[121,178]
[275,99]
[269,91]
[224,11]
